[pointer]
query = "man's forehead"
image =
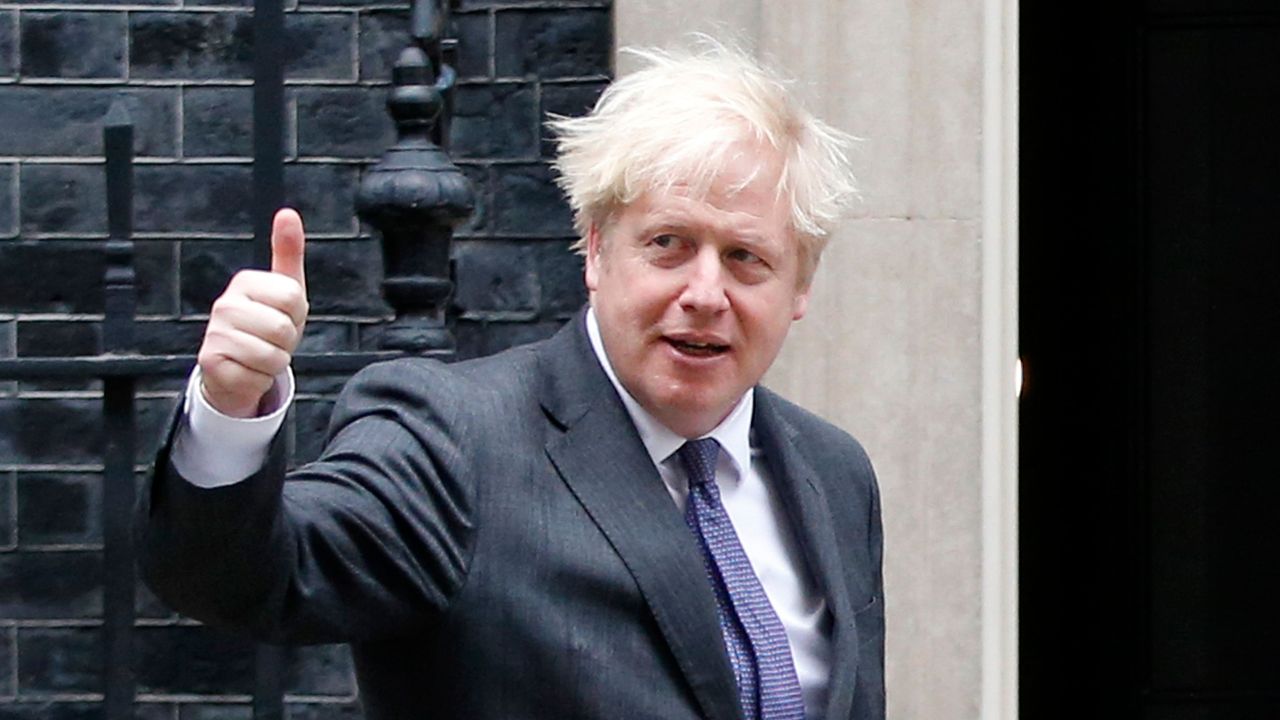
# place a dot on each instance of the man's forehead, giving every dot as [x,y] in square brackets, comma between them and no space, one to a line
[679,209]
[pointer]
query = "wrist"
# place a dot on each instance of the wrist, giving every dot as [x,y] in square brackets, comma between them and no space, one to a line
[239,409]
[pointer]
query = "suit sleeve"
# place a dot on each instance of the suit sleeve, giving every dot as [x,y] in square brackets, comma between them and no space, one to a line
[370,540]
[870,700]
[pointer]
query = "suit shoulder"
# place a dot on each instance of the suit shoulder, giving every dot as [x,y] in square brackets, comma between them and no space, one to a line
[447,391]
[817,436]
[488,373]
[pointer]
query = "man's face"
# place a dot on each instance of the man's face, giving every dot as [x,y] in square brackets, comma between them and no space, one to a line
[695,296]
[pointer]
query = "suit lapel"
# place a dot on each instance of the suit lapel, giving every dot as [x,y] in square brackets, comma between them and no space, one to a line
[800,490]
[601,458]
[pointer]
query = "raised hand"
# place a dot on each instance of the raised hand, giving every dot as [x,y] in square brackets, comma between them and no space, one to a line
[255,325]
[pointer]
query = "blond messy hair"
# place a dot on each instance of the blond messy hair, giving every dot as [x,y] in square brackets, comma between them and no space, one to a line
[680,119]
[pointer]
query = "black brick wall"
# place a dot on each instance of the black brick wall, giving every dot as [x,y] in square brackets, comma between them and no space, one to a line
[185,68]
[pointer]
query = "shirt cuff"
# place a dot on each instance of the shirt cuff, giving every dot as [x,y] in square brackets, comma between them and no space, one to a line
[213,450]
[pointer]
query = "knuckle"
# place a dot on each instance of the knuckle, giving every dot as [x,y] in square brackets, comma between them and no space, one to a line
[283,331]
[280,361]
[241,279]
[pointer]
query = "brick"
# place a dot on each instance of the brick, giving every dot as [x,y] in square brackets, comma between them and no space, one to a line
[59,508]
[71,276]
[67,430]
[495,121]
[474,33]
[50,710]
[51,585]
[8,188]
[553,43]
[246,4]
[36,426]
[567,99]
[344,277]
[153,415]
[217,122]
[320,670]
[59,339]
[155,711]
[205,268]
[324,194]
[25,113]
[193,198]
[156,262]
[6,386]
[8,43]
[529,204]
[560,280]
[63,199]
[8,650]
[344,122]
[41,338]
[327,337]
[8,513]
[169,337]
[478,338]
[481,177]
[147,605]
[311,424]
[96,3]
[72,44]
[54,660]
[195,46]
[495,276]
[320,46]
[338,3]
[212,661]
[385,33]
[329,385]
[325,711]
[220,711]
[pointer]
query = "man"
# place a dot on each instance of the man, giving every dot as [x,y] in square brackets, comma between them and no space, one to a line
[615,522]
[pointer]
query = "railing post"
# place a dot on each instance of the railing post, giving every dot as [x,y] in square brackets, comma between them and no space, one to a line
[415,195]
[268,196]
[120,418]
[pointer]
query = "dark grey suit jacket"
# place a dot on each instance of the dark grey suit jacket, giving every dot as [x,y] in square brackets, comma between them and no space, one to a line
[494,541]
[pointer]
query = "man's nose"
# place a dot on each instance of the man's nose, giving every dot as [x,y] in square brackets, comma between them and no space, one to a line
[704,289]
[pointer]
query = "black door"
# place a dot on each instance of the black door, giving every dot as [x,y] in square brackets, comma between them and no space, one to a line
[1150,311]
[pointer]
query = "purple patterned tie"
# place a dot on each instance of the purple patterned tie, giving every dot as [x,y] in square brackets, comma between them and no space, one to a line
[757,643]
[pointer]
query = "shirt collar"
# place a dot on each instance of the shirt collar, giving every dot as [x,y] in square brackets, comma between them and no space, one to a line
[733,433]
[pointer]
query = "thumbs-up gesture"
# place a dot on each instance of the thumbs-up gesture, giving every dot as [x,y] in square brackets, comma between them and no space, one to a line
[255,325]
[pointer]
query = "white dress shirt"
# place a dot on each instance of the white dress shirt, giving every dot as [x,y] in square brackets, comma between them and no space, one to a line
[211,450]
[759,519]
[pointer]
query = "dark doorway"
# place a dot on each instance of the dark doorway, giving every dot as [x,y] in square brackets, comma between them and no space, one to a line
[1150,312]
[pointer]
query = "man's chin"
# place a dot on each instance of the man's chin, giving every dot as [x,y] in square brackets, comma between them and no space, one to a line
[692,414]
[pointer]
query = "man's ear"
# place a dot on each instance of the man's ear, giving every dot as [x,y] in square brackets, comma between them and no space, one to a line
[592,275]
[800,305]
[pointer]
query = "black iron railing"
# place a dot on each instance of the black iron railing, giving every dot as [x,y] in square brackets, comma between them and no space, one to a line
[413,198]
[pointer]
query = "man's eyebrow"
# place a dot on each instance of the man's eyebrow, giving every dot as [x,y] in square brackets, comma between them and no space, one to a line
[677,219]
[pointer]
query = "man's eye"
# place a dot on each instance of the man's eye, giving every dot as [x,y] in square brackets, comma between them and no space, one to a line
[665,241]
[745,256]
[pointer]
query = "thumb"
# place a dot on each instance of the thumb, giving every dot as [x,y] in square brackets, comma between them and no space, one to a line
[287,246]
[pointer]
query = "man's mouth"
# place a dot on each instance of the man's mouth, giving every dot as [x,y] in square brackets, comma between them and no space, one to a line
[698,349]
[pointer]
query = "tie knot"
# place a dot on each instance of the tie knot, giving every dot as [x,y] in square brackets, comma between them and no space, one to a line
[699,458]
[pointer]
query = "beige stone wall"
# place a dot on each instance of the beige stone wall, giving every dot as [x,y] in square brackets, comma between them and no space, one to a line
[892,349]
